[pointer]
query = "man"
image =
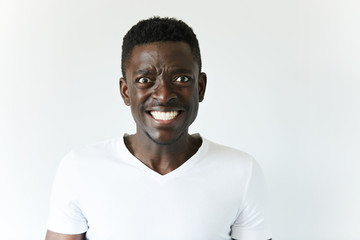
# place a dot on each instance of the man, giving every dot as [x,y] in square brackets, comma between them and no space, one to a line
[160,183]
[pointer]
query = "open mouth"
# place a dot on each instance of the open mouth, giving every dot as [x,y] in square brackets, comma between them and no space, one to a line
[164,116]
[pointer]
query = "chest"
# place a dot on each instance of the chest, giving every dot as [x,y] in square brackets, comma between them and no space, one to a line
[135,206]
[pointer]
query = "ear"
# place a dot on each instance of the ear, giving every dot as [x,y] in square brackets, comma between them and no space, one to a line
[124,91]
[202,86]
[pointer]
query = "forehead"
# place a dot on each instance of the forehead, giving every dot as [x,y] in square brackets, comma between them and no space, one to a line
[162,55]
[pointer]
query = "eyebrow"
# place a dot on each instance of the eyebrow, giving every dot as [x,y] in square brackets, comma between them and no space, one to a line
[142,72]
[181,70]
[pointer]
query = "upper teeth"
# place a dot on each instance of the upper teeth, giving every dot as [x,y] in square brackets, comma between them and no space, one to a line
[164,115]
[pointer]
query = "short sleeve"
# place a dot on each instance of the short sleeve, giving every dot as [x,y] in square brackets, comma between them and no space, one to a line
[252,221]
[66,216]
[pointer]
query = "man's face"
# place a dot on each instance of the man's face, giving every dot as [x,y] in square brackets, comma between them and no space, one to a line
[163,87]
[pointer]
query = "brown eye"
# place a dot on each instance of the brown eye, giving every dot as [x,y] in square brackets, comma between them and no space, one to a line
[143,80]
[182,79]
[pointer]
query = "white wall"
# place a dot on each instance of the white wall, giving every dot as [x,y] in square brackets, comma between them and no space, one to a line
[283,85]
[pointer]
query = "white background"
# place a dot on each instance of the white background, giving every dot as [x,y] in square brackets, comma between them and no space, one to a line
[283,85]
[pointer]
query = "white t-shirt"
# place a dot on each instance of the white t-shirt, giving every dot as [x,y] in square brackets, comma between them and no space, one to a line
[105,191]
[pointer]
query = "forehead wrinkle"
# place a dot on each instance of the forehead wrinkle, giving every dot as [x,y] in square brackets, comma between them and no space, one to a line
[162,66]
[151,58]
[148,70]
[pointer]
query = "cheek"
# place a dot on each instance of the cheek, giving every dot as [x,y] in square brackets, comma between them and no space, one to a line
[194,96]
[138,101]
[137,95]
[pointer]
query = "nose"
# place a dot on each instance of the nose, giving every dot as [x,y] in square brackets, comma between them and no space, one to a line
[163,91]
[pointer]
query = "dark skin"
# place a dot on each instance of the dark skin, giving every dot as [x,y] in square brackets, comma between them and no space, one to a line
[163,77]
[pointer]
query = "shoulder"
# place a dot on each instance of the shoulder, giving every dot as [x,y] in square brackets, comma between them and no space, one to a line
[105,148]
[227,153]
[230,159]
[90,155]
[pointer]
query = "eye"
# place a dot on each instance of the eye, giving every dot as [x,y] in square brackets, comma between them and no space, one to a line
[182,79]
[143,80]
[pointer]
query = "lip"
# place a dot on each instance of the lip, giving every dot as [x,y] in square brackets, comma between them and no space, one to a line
[164,108]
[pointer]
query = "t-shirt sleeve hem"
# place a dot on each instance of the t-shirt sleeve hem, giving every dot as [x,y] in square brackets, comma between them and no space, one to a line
[67,229]
[242,234]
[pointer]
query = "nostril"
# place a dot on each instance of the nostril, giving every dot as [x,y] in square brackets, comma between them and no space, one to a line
[163,93]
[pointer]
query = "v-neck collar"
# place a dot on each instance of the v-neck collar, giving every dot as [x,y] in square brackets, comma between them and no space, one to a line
[127,156]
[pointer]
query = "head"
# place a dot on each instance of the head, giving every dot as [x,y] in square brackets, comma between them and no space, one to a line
[162,81]
[158,29]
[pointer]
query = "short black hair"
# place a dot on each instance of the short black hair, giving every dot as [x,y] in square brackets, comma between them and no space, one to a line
[158,29]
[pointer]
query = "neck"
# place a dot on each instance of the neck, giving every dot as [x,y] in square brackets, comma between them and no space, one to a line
[163,158]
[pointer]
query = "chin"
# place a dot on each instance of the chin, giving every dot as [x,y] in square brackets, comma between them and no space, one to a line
[164,142]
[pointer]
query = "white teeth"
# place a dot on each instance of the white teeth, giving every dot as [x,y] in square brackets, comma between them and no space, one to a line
[164,115]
